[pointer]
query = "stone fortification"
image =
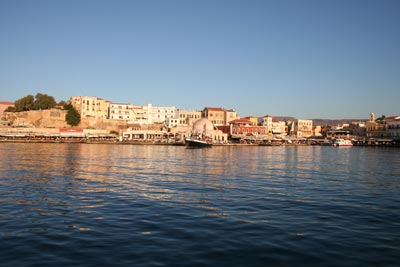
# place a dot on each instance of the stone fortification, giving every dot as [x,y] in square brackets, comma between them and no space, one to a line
[53,118]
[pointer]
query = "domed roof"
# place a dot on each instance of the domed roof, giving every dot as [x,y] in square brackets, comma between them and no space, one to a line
[203,125]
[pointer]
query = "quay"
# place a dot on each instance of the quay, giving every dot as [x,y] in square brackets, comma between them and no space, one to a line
[371,142]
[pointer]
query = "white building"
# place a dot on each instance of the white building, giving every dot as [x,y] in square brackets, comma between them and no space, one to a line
[267,122]
[147,114]
[303,128]
[393,126]
[120,111]
[159,114]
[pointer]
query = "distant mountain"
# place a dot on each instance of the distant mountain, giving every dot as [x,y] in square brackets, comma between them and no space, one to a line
[335,122]
[320,121]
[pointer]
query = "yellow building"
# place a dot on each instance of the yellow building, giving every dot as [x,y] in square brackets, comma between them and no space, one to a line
[303,128]
[219,116]
[89,106]
[187,117]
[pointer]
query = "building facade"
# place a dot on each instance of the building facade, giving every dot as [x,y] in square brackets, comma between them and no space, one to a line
[119,111]
[245,127]
[230,115]
[219,116]
[393,127]
[187,117]
[89,106]
[159,114]
[303,128]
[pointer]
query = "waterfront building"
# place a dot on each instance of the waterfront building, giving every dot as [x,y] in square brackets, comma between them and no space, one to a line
[205,127]
[187,117]
[141,115]
[172,122]
[278,127]
[267,122]
[89,106]
[149,114]
[393,127]
[253,120]
[119,111]
[143,135]
[159,114]
[231,115]
[245,127]
[302,128]
[274,126]
[215,115]
[374,129]
[219,116]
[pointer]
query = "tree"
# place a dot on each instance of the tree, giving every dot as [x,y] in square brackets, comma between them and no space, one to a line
[43,101]
[62,103]
[381,119]
[24,104]
[10,109]
[73,117]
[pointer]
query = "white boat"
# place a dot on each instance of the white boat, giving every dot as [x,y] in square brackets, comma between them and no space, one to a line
[342,142]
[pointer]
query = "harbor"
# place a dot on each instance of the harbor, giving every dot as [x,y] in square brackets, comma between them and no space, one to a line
[234,205]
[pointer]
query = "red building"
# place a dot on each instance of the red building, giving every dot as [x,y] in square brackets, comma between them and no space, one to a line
[243,127]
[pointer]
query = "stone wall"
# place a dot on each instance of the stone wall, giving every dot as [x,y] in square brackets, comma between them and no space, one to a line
[53,118]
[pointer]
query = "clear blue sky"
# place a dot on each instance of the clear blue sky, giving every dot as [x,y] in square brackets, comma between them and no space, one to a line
[307,59]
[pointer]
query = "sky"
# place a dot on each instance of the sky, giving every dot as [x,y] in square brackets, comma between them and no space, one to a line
[307,59]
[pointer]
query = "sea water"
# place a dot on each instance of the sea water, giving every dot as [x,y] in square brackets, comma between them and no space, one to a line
[138,205]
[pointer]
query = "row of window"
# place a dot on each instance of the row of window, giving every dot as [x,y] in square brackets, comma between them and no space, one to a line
[190,116]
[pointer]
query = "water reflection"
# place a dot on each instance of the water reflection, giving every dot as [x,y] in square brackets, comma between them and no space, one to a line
[159,198]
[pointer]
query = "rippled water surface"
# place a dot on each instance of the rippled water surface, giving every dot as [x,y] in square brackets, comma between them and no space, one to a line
[123,205]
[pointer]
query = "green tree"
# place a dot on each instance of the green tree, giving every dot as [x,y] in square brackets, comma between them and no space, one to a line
[10,109]
[24,104]
[73,117]
[62,103]
[381,119]
[43,101]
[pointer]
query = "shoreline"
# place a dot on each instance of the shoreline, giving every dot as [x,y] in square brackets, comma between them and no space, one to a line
[136,143]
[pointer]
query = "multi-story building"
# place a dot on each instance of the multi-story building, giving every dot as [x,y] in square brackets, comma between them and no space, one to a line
[219,116]
[147,114]
[187,117]
[231,115]
[267,123]
[393,127]
[119,111]
[274,126]
[215,115]
[303,128]
[278,127]
[160,114]
[141,115]
[253,120]
[373,128]
[89,106]
[245,127]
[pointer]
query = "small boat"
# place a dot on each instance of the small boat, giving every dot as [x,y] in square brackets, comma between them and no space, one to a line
[342,142]
[198,143]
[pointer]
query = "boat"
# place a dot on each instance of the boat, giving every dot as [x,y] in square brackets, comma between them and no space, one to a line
[342,142]
[193,142]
